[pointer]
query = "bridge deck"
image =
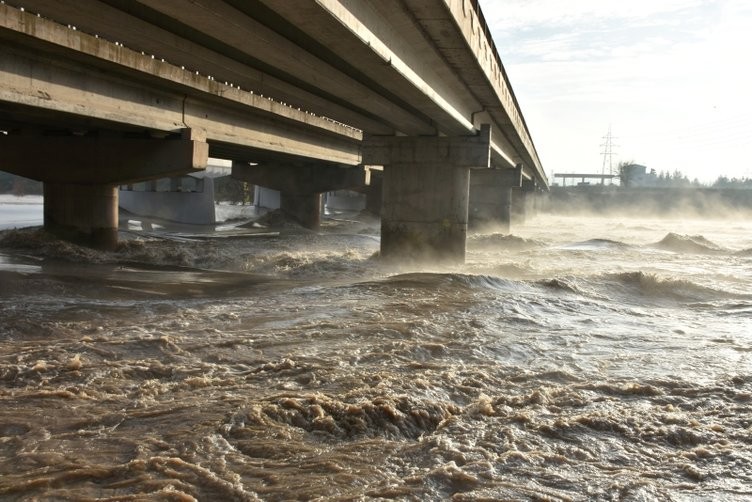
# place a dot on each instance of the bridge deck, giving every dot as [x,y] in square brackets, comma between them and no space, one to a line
[414,67]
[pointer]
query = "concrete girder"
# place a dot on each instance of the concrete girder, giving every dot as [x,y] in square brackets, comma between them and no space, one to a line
[100,160]
[99,82]
[483,74]
[96,17]
[401,60]
[420,69]
[235,29]
[394,60]
[300,178]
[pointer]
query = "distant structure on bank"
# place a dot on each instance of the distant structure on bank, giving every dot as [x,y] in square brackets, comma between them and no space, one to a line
[583,179]
[629,176]
[637,175]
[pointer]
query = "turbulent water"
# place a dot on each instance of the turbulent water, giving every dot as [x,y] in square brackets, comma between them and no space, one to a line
[577,359]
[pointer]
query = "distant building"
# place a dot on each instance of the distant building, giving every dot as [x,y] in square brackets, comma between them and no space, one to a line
[636,175]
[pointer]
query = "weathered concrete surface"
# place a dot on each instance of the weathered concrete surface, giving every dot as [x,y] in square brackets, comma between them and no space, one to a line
[87,214]
[424,212]
[460,151]
[304,208]
[425,193]
[101,160]
[300,177]
[415,67]
[52,74]
[94,16]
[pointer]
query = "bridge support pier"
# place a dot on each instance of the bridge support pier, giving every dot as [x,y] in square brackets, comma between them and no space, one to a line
[305,208]
[375,193]
[87,214]
[425,193]
[300,184]
[81,174]
[491,198]
[523,202]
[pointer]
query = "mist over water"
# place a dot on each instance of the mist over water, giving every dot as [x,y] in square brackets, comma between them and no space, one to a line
[580,358]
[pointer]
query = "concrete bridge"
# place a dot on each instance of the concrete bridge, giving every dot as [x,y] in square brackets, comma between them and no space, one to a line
[304,94]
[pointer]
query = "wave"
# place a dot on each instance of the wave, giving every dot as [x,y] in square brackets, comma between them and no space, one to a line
[505,241]
[245,254]
[560,284]
[426,280]
[595,244]
[654,286]
[394,417]
[638,286]
[696,244]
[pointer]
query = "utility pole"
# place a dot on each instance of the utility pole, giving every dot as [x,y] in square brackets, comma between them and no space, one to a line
[608,152]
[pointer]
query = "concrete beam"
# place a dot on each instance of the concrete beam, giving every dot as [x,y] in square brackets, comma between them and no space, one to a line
[94,16]
[456,29]
[458,151]
[300,177]
[53,71]
[101,160]
[258,42]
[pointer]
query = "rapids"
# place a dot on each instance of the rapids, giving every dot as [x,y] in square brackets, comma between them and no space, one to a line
[580,358]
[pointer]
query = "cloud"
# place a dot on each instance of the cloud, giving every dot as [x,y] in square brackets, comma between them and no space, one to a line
[668,74]
[520,15]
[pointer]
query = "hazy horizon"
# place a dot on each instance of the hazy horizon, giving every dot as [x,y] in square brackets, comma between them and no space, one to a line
[665,76]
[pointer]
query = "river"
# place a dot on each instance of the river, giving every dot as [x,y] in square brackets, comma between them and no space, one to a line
[581,358]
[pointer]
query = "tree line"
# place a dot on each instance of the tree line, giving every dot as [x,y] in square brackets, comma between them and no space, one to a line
[677,179]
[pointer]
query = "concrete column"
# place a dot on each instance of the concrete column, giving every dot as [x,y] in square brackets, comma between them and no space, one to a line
[300,184]
[491,198]
[87,214]
[495,213]
[425,193]
[81,174]
[523,202]
[519,205]
[424,212]
[304,208]
[375,194]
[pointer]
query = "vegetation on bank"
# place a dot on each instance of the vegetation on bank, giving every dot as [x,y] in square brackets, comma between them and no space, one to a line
[677,179]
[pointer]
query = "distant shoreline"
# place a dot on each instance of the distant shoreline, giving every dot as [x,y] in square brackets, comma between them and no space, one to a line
[649,201]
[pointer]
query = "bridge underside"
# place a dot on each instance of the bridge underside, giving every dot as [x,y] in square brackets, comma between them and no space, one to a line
[416,78]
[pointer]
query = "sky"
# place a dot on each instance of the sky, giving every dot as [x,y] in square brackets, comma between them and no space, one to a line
[672,79]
